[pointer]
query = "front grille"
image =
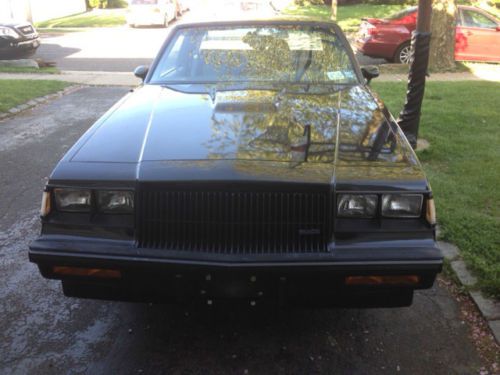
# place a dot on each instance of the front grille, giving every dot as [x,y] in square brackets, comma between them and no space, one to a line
[239,222]
[26,30]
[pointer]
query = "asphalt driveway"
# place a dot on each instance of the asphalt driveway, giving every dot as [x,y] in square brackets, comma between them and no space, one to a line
[42,332]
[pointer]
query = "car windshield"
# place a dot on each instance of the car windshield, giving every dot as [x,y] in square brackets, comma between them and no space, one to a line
[281,54]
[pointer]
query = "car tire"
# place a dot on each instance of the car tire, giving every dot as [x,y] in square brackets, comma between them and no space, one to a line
[403,54]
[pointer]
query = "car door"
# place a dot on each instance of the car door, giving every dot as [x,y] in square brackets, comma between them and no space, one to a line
[477,36]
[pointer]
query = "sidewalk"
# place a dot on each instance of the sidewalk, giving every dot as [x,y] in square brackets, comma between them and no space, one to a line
[128,79]
[81,77]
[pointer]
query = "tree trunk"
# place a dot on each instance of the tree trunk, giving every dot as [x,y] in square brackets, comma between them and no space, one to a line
[442,52]
[334,10]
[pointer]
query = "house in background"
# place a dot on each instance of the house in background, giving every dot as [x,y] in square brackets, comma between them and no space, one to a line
[40,10]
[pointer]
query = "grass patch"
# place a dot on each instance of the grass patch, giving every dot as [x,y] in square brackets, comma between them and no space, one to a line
[53,31]
[461,122]
[14,92]
[348,16]
[403,68]
[16,69]
[99,18]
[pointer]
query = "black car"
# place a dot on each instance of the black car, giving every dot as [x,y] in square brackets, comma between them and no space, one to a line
[18,39]
[254,163]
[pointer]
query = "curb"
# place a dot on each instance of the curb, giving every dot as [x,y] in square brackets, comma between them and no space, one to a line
[489,308]
[36,101]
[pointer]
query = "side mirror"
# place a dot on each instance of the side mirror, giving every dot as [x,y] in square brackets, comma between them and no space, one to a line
[141,72]
[370,72]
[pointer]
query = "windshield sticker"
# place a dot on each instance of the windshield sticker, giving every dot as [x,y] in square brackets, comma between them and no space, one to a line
[335,76]
[302,41]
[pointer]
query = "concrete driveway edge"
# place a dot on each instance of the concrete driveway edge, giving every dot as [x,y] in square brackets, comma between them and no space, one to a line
[488,307]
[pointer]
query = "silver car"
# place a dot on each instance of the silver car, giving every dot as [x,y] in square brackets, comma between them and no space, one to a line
[151,12]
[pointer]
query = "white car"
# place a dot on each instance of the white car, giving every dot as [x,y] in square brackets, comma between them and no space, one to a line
[151,12]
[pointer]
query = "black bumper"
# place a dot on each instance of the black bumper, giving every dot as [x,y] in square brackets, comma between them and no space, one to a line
[14,47]
[294,280]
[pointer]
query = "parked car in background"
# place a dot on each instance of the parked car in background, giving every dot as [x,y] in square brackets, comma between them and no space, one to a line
[183,5]
[151,12]
[17,39]
[477,36]
[254,163]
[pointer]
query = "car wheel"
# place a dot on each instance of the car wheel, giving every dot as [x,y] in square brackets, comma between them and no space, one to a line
[403,54]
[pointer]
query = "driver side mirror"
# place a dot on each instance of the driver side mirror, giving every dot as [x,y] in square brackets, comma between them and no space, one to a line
[370,72]
[141,72]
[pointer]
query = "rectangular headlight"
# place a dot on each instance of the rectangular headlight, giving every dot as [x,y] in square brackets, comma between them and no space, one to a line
[116,201]
[73,200]
[357,205]
[402,205]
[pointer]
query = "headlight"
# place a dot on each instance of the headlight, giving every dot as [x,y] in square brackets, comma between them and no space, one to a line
[120,202]
[357,205]
[402,205]
[7,31]
[73,200]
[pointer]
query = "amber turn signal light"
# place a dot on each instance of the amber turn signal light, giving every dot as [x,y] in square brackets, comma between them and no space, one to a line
[430,214]
[45,209]
[89,272]
[383,280]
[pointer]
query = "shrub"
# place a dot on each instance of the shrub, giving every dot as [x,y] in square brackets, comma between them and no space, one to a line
[106,4]
[117,4]
[310,2]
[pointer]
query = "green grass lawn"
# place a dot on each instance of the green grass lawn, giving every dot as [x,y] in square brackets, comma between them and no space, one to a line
[462,123]
[14,92]
[97,18]
[348,16]
[15,69]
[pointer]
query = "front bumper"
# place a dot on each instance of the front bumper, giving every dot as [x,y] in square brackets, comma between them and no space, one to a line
[309,279]
[19,46]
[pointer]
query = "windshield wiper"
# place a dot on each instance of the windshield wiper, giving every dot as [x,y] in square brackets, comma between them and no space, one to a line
[300,73]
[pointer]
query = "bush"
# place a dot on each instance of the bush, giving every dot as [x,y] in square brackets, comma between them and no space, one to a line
[310,2]
[107,4]
[117,4]
[375,2]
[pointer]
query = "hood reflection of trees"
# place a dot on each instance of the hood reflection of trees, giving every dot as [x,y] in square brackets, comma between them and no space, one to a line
[299,127]
[255,125]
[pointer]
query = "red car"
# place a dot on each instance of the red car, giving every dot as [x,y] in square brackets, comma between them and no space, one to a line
[477,36]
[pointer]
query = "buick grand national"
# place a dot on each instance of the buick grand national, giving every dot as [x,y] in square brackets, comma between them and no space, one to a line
[254,163]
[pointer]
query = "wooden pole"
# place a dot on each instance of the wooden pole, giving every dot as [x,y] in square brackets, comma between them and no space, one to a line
[424,16]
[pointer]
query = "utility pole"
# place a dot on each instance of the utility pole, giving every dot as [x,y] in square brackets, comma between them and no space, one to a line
[409,118]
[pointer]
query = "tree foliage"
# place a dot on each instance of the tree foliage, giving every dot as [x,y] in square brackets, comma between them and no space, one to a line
[105,4]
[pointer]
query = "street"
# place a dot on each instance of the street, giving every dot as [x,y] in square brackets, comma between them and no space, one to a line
[119,49]
[108,49]
[43,332]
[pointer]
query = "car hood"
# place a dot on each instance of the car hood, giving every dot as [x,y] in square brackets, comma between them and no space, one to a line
[343,134]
